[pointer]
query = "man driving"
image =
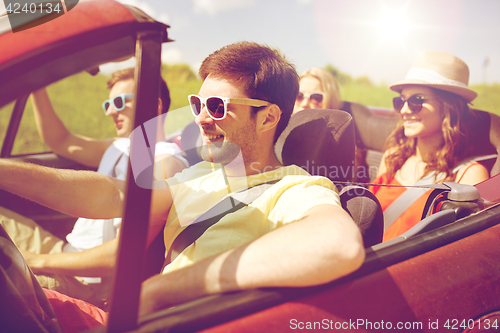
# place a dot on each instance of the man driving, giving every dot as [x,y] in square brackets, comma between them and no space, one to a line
[294,234]
[67,265]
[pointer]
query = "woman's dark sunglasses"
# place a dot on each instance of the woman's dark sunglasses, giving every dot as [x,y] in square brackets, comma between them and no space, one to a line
[118,102]
[314,97]
[217,106]
[414,103]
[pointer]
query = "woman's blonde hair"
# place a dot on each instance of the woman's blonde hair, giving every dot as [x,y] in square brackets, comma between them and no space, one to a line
[456,139]
[329,84]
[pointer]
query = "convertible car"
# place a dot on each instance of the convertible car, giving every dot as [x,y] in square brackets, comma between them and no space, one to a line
[442,275]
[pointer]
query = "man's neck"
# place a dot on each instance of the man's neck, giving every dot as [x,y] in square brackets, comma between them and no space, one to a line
[238,168]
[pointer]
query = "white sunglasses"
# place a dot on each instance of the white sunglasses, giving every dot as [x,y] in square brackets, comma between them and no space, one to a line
[316,97]
[217,106]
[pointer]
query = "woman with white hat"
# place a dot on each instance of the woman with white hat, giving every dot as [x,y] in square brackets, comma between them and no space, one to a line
[431,140]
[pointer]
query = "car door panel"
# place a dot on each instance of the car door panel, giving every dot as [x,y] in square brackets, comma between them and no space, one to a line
[458,281]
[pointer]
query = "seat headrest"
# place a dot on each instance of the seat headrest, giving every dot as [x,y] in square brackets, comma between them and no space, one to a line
[371,130]
[486,139]
[321,142]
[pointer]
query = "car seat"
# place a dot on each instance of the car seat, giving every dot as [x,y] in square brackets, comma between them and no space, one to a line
[486,143]
[371,130]
[322,142]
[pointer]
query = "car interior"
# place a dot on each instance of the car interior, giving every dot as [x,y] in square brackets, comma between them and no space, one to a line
[323,141]
[333,133]
[373,125]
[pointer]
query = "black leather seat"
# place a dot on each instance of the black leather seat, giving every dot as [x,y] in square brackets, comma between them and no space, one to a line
[487,140]
[322,142]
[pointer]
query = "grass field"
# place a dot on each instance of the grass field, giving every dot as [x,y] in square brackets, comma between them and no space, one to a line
[77,100]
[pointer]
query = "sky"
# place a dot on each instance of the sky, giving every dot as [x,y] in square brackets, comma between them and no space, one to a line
[374,38]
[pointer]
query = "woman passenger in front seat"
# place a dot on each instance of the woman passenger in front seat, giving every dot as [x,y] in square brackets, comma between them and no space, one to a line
[431,140]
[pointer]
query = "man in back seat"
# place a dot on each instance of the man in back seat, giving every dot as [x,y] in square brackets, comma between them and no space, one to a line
[294,234]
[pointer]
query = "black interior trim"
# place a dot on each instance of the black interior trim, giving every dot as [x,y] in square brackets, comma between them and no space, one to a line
[133,232]
[15,121]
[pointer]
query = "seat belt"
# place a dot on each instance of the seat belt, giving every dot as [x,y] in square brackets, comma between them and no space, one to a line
[192,232]
[405,200]
[412,194]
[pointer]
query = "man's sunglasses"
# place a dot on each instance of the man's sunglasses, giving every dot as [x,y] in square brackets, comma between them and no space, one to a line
[217,106]
[314,97]
[414,103]
[118,102]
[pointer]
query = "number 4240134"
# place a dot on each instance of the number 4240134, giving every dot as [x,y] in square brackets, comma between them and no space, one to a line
[32,8]
[480,323]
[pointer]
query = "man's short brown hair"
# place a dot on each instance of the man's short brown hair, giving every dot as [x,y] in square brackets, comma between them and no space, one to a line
[266,73]
[128,73]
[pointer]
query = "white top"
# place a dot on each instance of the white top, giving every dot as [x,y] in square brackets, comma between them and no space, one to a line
[89,233]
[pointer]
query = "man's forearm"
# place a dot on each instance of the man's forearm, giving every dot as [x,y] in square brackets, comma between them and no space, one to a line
[98,261]
[78,193]
[49,125]
[315,250]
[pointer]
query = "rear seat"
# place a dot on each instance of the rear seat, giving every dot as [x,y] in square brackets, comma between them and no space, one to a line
[374,125]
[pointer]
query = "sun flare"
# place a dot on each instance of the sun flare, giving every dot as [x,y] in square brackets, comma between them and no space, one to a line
[392,25]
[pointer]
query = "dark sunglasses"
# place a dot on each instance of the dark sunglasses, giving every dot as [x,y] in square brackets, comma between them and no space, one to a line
[314,97]
[118,102]
[217,106]
[414,103]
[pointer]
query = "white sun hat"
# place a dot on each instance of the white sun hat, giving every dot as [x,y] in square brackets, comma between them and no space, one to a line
[441,71]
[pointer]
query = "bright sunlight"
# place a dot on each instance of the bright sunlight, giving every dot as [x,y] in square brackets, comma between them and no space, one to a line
[393,25]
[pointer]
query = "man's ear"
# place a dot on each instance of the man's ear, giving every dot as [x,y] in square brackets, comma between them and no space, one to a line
[160,106]
[268,118]
[160,130]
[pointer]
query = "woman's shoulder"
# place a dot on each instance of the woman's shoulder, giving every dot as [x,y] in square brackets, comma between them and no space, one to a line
[472,173]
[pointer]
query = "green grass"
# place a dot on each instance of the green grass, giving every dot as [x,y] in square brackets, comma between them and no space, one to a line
[77,100]
[488,98]
[368,95]
[180,115]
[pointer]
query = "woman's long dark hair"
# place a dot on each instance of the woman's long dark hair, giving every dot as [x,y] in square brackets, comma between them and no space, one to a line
[456,139]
